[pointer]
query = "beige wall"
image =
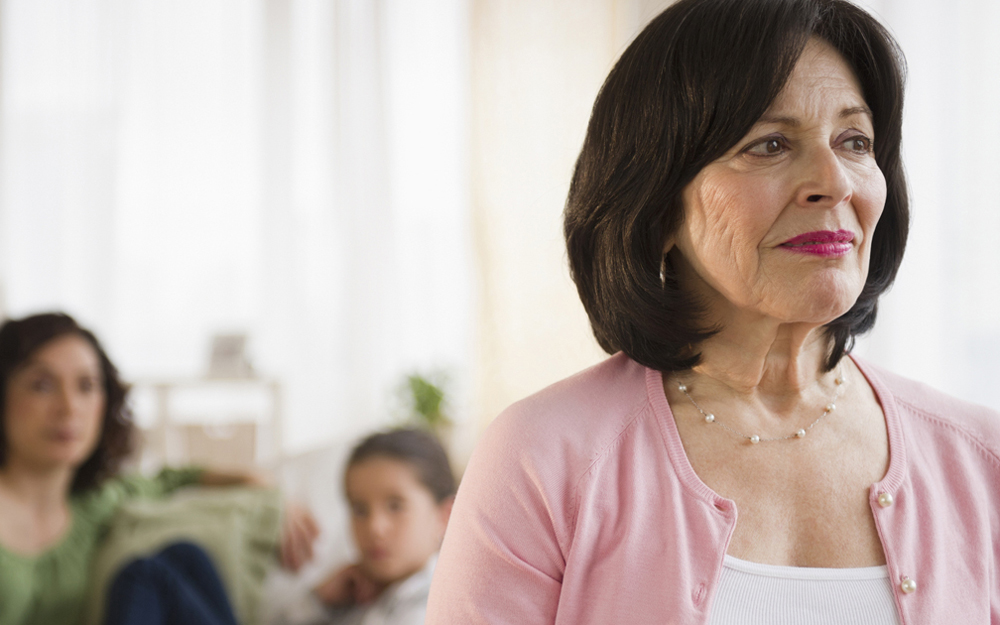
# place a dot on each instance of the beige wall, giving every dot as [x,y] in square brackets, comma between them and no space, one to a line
[536,68]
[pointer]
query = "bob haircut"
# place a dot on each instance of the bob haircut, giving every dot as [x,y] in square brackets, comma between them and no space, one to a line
[415,447]
[19,340]
[691,85]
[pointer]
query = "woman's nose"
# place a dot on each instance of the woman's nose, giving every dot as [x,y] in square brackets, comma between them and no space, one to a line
[69,402]
[824,181]
[64,401]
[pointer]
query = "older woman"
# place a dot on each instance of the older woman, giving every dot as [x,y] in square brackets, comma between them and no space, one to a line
[737,209]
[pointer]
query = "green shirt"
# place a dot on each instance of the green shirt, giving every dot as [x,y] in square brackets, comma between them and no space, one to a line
[50,587]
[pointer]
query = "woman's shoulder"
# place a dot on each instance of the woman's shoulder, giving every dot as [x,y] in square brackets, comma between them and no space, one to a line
[575,419]
[99,503]
[595,396]
[941,416]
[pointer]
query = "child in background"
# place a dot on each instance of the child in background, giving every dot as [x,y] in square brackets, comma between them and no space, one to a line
[400,489]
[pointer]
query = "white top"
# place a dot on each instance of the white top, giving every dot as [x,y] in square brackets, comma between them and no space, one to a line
[763,594]
[403,603]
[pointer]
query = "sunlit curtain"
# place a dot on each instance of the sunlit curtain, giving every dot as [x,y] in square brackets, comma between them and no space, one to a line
[292,169]
[299,169]
[941,322]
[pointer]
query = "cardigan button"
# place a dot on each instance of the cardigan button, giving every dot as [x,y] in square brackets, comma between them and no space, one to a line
[698,596]
[907,585]
[885,500]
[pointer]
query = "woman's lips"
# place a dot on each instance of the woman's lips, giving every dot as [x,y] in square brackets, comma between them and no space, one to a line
[63,436]
[821,243]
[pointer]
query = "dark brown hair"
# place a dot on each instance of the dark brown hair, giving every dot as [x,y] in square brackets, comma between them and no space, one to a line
[417,448]
[689,87]
[19,340]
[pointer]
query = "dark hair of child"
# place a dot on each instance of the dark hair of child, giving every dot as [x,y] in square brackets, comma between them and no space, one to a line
[417,448]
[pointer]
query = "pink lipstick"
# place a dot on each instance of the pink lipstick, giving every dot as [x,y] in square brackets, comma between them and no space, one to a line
[821,243]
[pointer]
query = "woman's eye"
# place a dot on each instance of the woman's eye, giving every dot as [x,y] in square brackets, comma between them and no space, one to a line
[87,385]
[766,147]
[859,144]
[42,385]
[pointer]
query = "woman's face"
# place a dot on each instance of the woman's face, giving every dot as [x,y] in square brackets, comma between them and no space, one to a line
[55,406]
[781,225]
[396,521]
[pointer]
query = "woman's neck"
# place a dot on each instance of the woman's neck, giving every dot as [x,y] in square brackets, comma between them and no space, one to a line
[34,508]
[42,491]
[777,360]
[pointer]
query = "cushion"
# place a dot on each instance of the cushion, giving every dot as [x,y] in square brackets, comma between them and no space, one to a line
[238,527]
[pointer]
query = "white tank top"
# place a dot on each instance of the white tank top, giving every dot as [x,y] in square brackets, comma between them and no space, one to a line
[763,594]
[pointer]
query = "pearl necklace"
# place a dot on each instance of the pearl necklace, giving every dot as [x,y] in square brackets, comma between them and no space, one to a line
[754,438]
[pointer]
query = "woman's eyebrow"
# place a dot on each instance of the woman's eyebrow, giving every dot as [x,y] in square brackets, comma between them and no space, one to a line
[857,110]
[779,119]
[795,122]
[33,364]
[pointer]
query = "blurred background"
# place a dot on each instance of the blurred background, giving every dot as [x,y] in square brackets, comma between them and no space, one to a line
[274,211]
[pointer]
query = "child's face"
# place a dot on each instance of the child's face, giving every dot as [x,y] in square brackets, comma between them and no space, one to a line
[397,524]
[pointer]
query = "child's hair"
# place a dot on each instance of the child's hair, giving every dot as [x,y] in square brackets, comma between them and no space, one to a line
[418,448]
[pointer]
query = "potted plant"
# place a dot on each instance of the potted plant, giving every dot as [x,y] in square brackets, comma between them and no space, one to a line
[425,404]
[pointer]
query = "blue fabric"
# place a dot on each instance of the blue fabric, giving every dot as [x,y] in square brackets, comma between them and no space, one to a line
[179,585]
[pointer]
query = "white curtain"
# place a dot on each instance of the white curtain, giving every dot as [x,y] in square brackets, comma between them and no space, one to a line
[941,321]
[292,169]
[303,170]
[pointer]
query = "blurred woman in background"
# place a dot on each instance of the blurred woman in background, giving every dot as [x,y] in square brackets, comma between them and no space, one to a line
[65,429]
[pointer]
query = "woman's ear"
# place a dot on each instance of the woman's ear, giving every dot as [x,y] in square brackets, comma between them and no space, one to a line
[664,261]
[668,245]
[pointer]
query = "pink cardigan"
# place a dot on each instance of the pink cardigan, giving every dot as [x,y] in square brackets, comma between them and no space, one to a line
[579,507]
